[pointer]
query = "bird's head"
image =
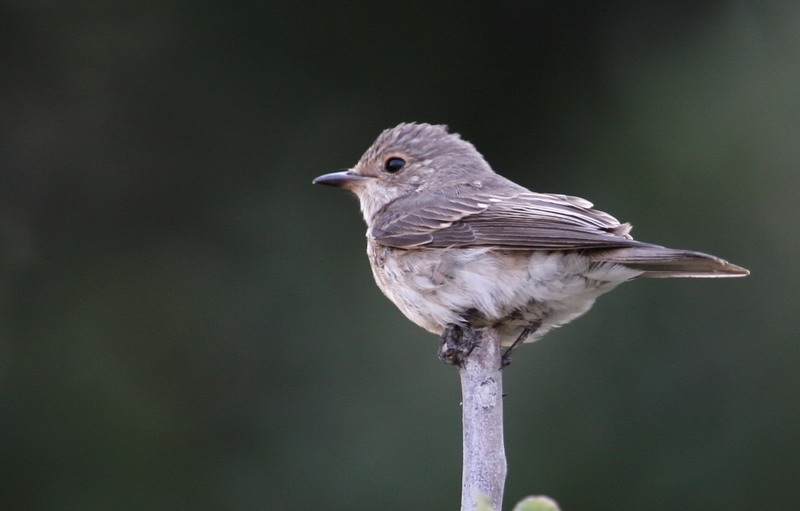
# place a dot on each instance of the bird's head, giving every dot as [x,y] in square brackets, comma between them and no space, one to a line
[407,159]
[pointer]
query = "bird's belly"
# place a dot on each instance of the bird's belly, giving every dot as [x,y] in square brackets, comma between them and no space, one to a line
[508,290]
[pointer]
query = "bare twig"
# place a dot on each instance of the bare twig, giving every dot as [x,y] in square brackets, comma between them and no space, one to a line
[484,472]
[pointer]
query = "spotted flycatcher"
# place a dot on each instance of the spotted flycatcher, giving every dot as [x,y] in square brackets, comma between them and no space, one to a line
[455,245]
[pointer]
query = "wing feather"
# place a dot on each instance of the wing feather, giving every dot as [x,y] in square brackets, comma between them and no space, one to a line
[517,219]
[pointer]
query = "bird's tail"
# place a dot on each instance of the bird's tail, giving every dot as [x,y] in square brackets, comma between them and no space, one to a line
[661,262]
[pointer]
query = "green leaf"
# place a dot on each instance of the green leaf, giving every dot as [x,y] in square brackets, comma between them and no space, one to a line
[539,503]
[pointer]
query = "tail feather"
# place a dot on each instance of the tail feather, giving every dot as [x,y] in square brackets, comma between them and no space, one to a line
[661,262]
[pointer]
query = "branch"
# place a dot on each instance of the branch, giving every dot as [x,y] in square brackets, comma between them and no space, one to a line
[484,472]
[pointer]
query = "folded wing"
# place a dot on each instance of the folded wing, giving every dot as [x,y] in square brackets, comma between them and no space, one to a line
[514,220]
[524,220]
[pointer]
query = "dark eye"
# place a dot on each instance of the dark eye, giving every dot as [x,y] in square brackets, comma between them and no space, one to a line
[392,165]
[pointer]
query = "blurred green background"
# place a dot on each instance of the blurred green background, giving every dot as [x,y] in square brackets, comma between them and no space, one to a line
[187,323]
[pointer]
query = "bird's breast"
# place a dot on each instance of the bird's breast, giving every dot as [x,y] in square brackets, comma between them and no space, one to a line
[436,287]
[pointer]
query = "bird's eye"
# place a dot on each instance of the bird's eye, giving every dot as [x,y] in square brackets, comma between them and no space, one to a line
[392,165]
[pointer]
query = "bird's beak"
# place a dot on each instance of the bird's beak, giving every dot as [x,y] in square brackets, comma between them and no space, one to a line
[346,179]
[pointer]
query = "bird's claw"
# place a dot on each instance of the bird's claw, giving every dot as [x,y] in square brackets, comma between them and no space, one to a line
[456,343]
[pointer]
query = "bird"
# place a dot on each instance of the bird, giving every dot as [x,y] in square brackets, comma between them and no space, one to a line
[457,247]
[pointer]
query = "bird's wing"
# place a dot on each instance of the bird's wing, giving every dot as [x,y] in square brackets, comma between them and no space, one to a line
[516,219]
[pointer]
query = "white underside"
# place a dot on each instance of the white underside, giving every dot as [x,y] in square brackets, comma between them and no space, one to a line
[512,289]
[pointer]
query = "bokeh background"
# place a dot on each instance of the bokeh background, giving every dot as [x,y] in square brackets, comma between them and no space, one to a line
[187,323]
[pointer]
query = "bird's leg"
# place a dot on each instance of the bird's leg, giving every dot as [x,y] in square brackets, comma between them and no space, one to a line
[528,330]
[456,343]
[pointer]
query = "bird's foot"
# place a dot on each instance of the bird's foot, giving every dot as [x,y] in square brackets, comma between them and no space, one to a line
[456,343]
[505,361]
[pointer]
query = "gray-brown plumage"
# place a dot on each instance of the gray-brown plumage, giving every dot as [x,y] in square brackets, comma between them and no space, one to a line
[451,242]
